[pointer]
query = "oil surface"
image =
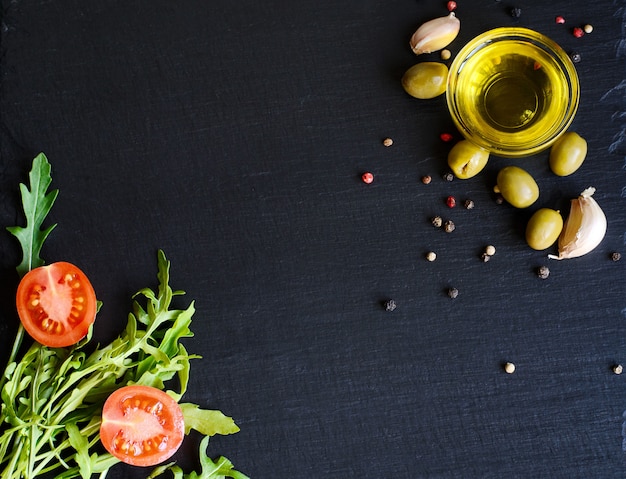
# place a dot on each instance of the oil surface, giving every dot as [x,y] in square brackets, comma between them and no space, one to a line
[511,93]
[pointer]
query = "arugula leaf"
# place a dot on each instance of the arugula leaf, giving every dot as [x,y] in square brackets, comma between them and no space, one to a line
[221,468]
[37,203]
[207,422]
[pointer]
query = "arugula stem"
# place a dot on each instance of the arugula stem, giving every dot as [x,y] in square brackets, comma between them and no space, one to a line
[17,343]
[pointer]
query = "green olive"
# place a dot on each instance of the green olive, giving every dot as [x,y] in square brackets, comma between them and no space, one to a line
[425,80]
[543,228]
[567,154]
[517,186]
[465,159]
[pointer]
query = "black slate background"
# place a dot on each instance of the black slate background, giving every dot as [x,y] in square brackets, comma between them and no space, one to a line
[233,135]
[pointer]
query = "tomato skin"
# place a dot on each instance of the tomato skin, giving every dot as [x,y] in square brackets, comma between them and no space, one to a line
[56,304]
[141,425]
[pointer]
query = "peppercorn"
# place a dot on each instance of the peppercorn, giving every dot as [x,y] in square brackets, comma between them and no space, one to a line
[451,5]
[431,256]
[490,250]
[499,199]
[449,176]
[575,56]
[588,28]
[509,368]
[485,257]
[469,204]
[451,201]
[446,137]
[559,19]
[387,142]
[390,305]
[445,54]
[453,293]
[516,12]
[578,32]
[449,226]
[616,256]
[426,179]
[367,177]
[437,221]
[618,369]
[543,272]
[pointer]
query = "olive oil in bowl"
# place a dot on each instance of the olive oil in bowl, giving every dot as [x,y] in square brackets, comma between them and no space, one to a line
[512,91]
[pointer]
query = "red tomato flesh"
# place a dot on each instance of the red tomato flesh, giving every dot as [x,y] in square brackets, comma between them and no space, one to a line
[56,304]
[141,425]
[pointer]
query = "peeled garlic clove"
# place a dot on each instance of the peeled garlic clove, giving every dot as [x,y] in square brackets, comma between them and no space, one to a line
[435,34]
[584,228]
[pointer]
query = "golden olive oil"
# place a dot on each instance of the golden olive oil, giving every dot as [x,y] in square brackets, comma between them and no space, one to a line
[511,94]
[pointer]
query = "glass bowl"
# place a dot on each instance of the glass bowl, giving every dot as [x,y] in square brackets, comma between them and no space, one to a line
[512,91]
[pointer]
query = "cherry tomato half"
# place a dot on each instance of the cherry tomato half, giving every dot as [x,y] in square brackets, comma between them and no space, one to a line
[141,425]
[56,304]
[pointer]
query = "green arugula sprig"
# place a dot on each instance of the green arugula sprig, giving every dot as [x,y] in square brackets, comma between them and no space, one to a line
[52,398]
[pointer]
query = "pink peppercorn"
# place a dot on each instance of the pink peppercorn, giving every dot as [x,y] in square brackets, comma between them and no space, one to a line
[560,19]
[367,177]
[446,137]
[451,201]
[451,5]
[578,32]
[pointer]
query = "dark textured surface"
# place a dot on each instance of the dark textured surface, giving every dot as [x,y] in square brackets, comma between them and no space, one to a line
[233,136]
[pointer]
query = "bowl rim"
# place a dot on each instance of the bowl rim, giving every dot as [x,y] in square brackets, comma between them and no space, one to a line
[522,34]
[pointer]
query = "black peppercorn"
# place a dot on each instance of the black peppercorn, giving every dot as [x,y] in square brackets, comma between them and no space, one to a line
[449,226]
[390,305]
[616,256]
[448,176]
[469,204]
[543,272]
[516,12]
[453,293]
[576,57]
[437,221]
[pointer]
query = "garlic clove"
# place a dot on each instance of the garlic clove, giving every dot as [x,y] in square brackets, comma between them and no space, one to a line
[584,228]
[435,34]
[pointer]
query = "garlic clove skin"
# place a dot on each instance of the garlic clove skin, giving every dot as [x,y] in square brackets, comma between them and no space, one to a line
[435,34]
[584,228]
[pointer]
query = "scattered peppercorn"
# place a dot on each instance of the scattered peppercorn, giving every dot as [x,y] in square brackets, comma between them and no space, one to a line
[499,199]
[449,176]
[449,226]
[451,201]
[578,32]
[516,12]
[485,257]
[618,369]
[390,305]
[543,272]
[437,221]
[446,137]
[490,250]
[445,54]
[575,56]
[469,204]
[367,177]
[451,5]
[616,256]
[431,256]
[509,368]
[588,28]
[453,293]
[387,142]
[560,19]
[426,179]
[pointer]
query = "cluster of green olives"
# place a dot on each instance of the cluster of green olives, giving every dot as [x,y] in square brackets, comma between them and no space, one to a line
[428,80]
